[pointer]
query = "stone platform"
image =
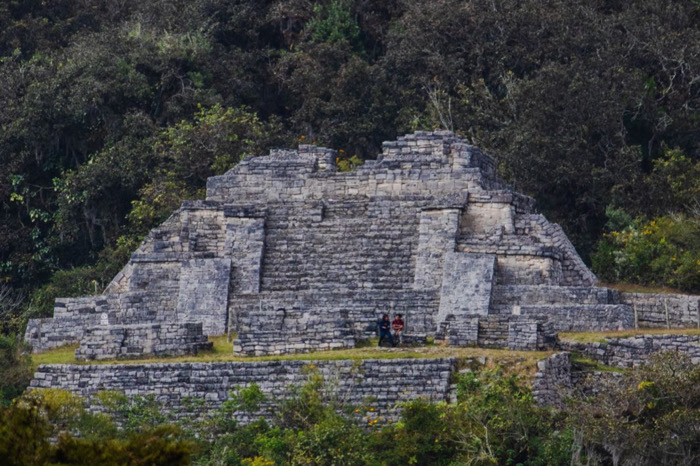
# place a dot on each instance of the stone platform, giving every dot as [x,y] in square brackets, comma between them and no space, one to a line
[295,256]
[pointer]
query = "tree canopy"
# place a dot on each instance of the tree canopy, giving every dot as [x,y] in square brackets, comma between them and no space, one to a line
[112,112]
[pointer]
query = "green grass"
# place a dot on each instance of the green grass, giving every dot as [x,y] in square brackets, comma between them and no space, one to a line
[589,364]
[519,361]
[599,337]
[62,355]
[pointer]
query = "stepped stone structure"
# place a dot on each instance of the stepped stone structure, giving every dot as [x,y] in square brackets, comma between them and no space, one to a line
[293,255]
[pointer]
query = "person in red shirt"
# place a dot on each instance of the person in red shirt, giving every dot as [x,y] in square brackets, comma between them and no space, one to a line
[397,327]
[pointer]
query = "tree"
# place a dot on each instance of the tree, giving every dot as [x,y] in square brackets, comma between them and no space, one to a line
[15,367]
[650,416]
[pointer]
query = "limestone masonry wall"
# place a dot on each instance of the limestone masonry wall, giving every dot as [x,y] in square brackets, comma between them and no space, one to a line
[379,384]
[133,341]
[556,378]
[552,380]
[634,351]
[664,310]
[427,230]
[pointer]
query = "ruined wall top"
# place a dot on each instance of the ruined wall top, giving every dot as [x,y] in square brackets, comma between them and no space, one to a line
[425,164]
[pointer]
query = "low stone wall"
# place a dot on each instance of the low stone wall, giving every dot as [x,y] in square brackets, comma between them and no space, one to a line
[73,316]
[379,384]
[515,332]
[664,310]
[507,296]
[268,343]
[530,335]
[557,379]
[634,351]
[552,380]
[504,331]
[464,332]
[49,333]
[137,341]
[267,331]
[362,309]
[576,318]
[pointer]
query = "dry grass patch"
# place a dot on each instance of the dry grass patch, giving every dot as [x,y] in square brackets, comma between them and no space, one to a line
[523,362]
[634,288]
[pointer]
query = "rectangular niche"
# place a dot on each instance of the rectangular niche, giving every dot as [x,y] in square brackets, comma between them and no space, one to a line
[485,217]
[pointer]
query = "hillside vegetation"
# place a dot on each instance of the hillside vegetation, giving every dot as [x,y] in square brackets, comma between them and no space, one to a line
[113,112]
[648,416]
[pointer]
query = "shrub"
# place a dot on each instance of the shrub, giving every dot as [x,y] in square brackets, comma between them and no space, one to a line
[648,417]
[664,252]
[15,368]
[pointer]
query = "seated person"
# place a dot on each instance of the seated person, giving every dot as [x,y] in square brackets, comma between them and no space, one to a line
[385,330]
[397,326]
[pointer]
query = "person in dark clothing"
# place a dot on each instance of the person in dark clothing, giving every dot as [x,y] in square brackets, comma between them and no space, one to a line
[385,330]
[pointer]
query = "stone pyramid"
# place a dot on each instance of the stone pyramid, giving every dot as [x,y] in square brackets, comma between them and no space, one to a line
[292,255]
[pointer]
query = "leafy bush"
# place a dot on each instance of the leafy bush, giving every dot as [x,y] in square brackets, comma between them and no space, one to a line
[499,423]
[650,416]
[334,23]
[664,252]
[15,368]
[27,426]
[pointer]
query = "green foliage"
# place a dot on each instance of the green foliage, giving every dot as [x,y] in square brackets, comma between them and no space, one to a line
[645,416]
[346,164]
[244,400]
[334,23]
[500,424]
[305,408]
[27,425]
[494,422]
[111,115]
[663,252]
[24,433]
[15,367]
[422,436]
[160,446]
[649,417]
[11,307]
[334,440]
[135,414]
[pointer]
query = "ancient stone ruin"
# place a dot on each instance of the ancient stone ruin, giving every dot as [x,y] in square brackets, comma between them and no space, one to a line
[292,255]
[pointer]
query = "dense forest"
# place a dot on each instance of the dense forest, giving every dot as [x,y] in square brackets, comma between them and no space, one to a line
[114,111]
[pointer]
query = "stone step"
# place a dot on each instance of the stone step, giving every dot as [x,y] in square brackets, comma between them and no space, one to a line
[580,317]
[505,296]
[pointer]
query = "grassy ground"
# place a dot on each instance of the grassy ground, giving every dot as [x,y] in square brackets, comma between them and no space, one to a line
[524,362]
[592,337]
[633,288]
[587,364]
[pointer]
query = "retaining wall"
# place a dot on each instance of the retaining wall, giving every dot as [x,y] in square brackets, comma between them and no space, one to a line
[379,384]
[664,310]
[634,351]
